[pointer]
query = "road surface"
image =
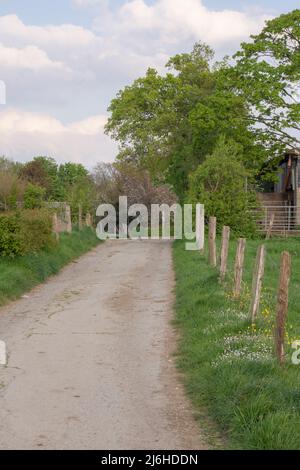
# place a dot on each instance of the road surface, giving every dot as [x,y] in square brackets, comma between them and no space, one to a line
[90,361]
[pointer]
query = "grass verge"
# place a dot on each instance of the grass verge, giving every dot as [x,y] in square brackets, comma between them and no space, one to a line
[228,364]
[20,274]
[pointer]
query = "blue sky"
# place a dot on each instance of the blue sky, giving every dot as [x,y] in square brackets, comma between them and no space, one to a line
[56,11]
[63,60]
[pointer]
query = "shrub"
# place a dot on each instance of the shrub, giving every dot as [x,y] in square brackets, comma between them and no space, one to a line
[10,243]
[26,231]
[34,196]
[219,183]
[35,230]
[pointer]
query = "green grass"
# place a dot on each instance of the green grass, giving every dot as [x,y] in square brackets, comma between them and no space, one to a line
[230,369]
[20,274]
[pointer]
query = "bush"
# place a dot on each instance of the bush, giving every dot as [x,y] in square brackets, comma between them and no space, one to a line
[219,183]
[34,196]
[35,230]
[23,232]
[10,243]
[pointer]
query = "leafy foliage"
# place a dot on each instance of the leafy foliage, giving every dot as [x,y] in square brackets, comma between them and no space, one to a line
[35,230]
[35,173]
[26,231]
[267,75]
[219,183]
[34,196]
[54,187]
[10,243]
[168,124]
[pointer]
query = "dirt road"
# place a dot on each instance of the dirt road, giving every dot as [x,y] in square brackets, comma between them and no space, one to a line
[90,357]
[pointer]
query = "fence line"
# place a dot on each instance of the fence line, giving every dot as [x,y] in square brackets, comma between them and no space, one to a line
[224,252]
[239,266]
[258,274]
[212,249]
[282,305]
[257,280]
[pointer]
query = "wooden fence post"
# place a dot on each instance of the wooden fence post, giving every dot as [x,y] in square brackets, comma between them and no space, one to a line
[68,219]
[270,227]
[212,241]
[257,281]
[282,305]
[239,266]
[80,216]
[200,226]
[224,252]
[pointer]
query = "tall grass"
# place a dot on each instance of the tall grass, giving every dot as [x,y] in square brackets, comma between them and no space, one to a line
[229,364]
[19,274]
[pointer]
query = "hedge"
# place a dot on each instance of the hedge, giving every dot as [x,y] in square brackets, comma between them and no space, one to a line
[26,231]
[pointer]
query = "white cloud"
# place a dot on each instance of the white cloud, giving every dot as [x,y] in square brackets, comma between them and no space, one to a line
[25,134]
[93,125]
[158,25]
[125,40]
[175,20]
[20,121]
[69,71]
[29,57]
[65,35]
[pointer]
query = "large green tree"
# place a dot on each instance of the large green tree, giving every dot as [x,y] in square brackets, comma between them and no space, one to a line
[267,76]
[167,124]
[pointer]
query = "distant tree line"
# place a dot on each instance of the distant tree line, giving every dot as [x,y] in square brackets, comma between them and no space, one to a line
[30,185]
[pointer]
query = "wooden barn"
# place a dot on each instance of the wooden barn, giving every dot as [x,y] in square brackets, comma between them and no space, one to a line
[284,200]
